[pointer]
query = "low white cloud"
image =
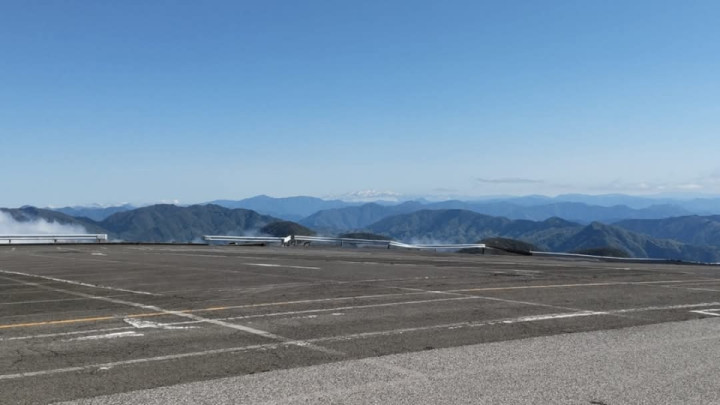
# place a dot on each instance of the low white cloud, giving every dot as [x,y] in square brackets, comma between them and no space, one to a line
[690,186]
[698,185]
[38,226]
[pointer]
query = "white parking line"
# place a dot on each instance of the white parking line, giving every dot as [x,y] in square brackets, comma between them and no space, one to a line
[17,273]
[281,265]
[107,336]
[234,318]
[106,366]
[53,335]
[355,336]
[709,312]
[141,324]
[242,328]
[45,301]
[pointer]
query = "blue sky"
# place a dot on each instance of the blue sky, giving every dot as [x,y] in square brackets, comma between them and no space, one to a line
[143,101]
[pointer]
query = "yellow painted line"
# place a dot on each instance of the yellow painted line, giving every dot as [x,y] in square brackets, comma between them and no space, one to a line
[266,304]
[211,309]
[101,318]
[60,322]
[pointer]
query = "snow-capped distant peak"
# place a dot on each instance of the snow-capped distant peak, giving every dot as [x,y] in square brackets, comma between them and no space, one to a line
[369,195]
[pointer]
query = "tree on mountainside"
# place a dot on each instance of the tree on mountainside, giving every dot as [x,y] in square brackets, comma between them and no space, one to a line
[608,251]
[285,228]
[364,235]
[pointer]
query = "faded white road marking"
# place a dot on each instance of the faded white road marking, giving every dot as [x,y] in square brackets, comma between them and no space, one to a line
[41,301]
[141,324]
[198,255]
[709,312]
[482,297]
[107,336]
[105,366]
[281,265]
[553,316]
[181,314]
[665,307]
[17,273]
[274,314]
[523,319]
[604,284]
[305,343]
[52,335]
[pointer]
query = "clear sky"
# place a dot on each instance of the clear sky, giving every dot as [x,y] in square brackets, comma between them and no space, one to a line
[143,101]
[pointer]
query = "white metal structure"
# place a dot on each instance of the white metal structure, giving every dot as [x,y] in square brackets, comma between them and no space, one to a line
[248,239]
[55,238]
[298,239]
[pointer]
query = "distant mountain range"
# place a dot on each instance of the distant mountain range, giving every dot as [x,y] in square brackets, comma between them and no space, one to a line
[349,218]
[695,205]
[160,223]
[290,208]
[574,207]
[358,217]
[662,231]
[29,214]
[554,234]
[96,213]
[696,230]
[170,223]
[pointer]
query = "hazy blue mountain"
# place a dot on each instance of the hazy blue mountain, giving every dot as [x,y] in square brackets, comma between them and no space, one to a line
[700,206]
[291,208]
[463,226]
[96,213]
[349,218]
[554,234]
[695,230]
[573,211]
[352,218]
[609,200]
[170,223]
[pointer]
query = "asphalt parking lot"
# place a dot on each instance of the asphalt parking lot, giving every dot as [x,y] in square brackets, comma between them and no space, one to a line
[82,321]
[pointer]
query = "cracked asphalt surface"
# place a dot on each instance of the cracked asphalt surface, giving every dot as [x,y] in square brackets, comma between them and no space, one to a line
[167,324]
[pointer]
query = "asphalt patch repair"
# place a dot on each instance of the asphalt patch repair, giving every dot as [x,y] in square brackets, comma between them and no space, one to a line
[80,321]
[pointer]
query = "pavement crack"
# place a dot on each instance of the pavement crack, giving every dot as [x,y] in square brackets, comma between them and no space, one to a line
[20,358]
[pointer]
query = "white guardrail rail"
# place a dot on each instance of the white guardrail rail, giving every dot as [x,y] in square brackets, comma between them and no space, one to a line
[605,258]
[54,238]
[306,240]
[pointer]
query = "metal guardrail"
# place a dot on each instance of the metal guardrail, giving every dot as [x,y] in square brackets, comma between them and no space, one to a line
[605,258]
[298,239]
[55,238]
[248,239]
